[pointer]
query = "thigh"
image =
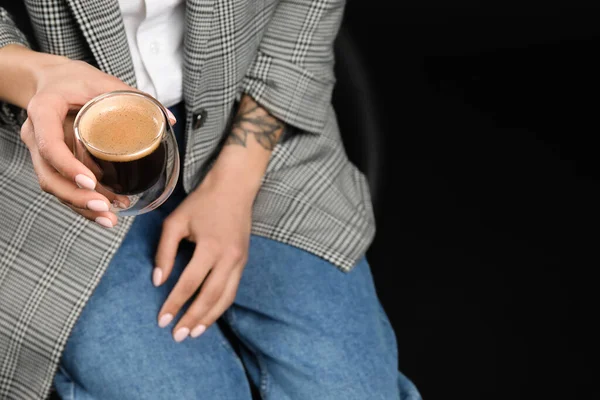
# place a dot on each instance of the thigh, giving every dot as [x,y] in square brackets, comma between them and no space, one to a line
[311,331]
[116,349]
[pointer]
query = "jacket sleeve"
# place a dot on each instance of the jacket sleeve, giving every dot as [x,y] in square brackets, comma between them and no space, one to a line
[9,34]
[292,74]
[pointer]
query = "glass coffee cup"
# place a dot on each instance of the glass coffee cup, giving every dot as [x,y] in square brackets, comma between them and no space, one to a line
[125,138]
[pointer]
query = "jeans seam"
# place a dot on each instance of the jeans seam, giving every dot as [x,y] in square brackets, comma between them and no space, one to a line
[264,377]
[71,381]
[225,343]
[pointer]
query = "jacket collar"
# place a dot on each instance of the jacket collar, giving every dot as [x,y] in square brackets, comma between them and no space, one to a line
[102,26]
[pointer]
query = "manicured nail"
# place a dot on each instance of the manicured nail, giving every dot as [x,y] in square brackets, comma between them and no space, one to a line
[181,334]
[105,222]
[84,182]
[171,116]
[165,320]
[197,331]
[97,205]
[157,277]
[118,204]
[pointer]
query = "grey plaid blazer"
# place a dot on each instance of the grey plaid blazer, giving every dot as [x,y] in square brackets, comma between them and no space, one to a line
[278,51]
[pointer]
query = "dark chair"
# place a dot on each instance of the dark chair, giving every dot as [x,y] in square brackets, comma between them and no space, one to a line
[354,100]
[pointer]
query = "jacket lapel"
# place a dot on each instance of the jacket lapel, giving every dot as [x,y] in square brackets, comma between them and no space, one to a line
[198,21]
[102,26]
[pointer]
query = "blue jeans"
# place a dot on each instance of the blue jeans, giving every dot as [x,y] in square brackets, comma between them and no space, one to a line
[302,330]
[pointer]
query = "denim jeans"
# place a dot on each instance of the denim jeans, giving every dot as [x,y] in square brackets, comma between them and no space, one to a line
[302,330]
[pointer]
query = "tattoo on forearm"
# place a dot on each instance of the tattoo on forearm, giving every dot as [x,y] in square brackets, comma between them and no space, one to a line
[253,120]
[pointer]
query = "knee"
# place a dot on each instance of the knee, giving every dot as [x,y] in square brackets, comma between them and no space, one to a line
[336,369]
[340,383]
[145,362]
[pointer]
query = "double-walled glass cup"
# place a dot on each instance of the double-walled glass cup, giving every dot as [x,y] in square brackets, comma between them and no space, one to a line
[126,140]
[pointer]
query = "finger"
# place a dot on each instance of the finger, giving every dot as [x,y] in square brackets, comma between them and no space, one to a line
[117,200]
[111,84]
[47,115]
[172,118]
[87,160]
[204,311]
[27,135]
[226,300]
[189,282]
[173,230]
[104,219]
[77,148]
[69,134]
[52,182]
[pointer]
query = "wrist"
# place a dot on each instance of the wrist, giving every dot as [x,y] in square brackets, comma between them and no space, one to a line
[41,62]
[21,70]
[244,158]
[237,174]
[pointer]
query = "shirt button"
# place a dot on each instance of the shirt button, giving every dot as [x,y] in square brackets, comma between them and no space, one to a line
[199,118]
[154,48]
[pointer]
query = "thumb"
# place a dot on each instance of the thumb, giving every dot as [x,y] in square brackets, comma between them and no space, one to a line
[172,118]
[112,83]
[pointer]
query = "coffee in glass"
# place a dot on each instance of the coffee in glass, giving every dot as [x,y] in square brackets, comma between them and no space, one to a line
[125,138]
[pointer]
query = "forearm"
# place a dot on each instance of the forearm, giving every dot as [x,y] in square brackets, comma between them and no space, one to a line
[247,150]
[18,72]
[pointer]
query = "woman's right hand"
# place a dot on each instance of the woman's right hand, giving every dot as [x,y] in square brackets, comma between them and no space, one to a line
[62,86]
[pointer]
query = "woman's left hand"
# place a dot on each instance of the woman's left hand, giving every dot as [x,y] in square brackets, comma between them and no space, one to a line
[217,217]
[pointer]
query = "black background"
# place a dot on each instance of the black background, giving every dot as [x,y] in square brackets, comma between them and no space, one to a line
[487,238]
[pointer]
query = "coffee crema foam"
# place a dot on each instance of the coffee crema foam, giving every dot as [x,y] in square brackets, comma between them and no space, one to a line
[120,128]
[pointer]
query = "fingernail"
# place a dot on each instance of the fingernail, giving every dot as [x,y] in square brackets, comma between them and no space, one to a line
[84,182]
[181,334]
[118,204]
[171,116]
[157,276]
[105,222]
[197,331]
[97,205]
[165,320]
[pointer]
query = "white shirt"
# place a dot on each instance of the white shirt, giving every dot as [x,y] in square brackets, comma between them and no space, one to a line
[154,31]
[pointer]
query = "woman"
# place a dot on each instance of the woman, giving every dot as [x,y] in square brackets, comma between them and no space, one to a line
[278,217]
